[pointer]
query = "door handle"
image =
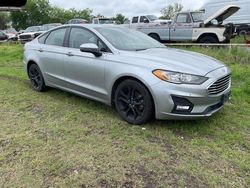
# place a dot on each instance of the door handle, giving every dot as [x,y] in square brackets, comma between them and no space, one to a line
[70,54]
[40,50]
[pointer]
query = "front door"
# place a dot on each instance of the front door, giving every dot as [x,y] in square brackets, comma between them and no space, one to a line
[182,29]
[84,72]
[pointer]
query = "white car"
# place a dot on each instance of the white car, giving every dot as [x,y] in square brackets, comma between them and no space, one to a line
[30,33]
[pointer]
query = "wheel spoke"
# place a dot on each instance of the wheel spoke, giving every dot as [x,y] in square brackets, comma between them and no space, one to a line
[139,97]
[133,93]
[138,112]
[134,112]
[123,100]
[124,95]
[127,111]
[139,103]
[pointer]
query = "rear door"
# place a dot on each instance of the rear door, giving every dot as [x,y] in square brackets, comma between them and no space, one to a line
[182,28]
[52,54]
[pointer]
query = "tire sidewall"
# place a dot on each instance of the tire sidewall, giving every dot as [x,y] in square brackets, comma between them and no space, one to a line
[149,107]
[42,87]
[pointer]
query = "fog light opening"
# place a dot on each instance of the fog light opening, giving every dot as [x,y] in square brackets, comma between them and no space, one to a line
[182,105]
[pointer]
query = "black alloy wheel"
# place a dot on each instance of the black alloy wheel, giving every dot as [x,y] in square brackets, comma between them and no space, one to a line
[36,78]
[134,102]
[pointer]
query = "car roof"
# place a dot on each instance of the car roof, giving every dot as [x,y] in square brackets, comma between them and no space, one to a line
[52,24]
[187,12]
[92,26]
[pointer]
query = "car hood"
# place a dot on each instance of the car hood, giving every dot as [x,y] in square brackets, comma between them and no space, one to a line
[29,33]
[176,60]
[32,33]
[223,14]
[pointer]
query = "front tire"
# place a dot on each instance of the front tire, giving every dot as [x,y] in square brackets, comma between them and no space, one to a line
[133,102]
[36,78]
[208,40]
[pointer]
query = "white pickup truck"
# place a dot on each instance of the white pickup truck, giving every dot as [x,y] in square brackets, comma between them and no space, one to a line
[188,27]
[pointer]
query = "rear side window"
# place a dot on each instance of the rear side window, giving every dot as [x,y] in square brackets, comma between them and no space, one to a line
[43,38]
[135,19]
[56,37]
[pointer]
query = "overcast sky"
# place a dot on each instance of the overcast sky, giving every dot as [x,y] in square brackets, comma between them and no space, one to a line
[129,8]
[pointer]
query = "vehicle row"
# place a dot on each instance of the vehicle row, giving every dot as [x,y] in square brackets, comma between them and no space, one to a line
[186,26]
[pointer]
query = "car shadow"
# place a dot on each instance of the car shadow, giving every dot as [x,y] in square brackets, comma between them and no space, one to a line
[186,129]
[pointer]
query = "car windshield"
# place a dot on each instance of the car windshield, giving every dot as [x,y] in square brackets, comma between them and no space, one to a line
[32,29]
[105,21]
[128,39]
[152,17]
[197,16]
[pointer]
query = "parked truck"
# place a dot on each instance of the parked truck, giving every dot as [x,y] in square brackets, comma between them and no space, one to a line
[189,26]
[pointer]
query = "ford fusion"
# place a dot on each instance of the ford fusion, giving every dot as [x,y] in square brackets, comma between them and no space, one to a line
[124,68]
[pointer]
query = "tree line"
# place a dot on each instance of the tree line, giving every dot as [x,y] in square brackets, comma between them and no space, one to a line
[39,12]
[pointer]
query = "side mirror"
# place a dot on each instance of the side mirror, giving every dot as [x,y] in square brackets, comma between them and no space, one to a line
[214,22]
[145,20]
[91,48]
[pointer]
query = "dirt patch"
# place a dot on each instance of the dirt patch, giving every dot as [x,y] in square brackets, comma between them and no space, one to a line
[36,109]
[4,143]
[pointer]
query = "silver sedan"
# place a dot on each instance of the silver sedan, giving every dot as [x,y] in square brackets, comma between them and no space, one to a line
[124,68]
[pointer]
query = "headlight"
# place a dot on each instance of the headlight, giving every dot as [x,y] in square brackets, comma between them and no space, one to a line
[179,78]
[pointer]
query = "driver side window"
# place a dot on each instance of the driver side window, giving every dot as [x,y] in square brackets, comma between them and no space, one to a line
[143,19]
[183,18]
[79,36]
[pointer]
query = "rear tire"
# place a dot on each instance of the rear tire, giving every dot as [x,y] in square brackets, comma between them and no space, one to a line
[133,102]
[36,78]
[155,36]
[208,40]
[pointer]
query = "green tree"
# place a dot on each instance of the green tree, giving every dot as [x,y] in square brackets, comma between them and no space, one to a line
[4,20]
[39,12]
[59,15]
[168,12]
[36,12]
[120,18]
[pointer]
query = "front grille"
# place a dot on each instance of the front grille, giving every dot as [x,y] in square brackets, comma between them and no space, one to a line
[25,37]
[220,85]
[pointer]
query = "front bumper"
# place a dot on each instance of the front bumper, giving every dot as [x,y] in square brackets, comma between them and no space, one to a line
[168,96]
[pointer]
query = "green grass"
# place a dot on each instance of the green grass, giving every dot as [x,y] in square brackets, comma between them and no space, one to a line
[56,139]
[238,40]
